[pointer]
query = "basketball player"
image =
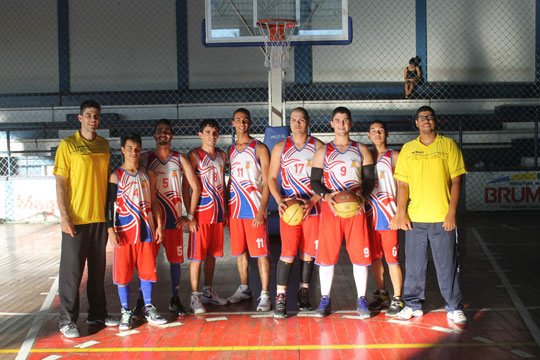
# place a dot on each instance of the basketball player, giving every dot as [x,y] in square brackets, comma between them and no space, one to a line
[380,209]
[81,169]
[248,198]
[341,165]
[206,243]
[131,208]
[291,160]
[168,167]
[429,170]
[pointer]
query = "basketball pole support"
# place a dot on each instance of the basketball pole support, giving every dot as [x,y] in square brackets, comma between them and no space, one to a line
[276,107]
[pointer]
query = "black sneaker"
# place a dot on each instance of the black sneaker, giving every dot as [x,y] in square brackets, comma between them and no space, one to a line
[108,321]
[396,306]
[138,311]
[152,316]
[324,308]
[125,320]
[280,310]
[176,306]
[381,299]
[303,300]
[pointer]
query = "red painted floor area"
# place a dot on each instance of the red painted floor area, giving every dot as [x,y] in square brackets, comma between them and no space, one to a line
[499,325]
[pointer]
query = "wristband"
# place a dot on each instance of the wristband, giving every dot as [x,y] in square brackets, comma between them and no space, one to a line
[189,217]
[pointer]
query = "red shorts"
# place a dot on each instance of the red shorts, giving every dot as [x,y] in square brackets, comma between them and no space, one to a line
[208,240]
[128,257]
[333,228]
[301,238]
[384,241]
[173,243]
[246,237]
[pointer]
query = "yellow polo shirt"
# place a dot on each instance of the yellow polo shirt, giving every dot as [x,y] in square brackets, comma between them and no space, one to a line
[85,164]
[429,170]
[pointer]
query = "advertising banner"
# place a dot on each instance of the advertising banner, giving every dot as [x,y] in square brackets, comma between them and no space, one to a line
[503,191]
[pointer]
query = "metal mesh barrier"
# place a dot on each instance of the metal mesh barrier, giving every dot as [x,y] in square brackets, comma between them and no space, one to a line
[145,61]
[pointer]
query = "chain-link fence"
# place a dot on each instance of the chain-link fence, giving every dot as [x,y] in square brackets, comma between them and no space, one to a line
[144,61]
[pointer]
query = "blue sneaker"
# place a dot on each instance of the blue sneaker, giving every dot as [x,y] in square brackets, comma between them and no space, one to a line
[324,308]
[362,308]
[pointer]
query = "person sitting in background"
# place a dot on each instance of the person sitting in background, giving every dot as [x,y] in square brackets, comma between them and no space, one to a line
[412,74]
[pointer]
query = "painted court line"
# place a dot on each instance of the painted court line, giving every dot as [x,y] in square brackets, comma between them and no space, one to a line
[483,339]
[127,333]
[446,330]
[279,347]
[529,322]
[52,357]
[402,322]
[509,227]
[219,318]
[255,316]
[355,317]
[173,324]
[87,344]
[37,323]
[522,354]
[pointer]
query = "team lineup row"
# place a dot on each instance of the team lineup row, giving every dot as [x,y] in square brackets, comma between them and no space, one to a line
[138,208]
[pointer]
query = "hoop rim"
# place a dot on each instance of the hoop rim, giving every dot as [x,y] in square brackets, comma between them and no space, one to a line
[287,23]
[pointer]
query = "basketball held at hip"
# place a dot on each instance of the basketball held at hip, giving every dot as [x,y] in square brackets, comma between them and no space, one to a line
[294,214]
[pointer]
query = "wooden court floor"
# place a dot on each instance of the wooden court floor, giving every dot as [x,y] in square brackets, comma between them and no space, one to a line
[499,257]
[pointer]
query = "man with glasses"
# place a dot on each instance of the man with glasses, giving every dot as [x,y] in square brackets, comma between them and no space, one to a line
[429,171]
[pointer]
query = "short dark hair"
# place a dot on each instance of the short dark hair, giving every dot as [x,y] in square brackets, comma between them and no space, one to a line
[163,121]
[90,104]
[383,124]
[208,122]
[136,138]
[302,110]
[342,110]
[415,61]
[425,108]
[243,111]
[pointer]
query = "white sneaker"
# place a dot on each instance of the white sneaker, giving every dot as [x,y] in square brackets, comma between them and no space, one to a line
[265,303]
[240,295]
[408,313]
[196,306]
[457,316]
[209,296]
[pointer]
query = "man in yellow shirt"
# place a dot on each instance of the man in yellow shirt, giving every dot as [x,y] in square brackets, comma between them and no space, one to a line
[429,170]
[81,169]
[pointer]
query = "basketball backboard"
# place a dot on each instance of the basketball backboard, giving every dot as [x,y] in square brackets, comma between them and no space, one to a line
[234,22]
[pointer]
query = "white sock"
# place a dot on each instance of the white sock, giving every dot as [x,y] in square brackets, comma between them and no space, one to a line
[265,294]
[360,279]
[326,276]
[244,287]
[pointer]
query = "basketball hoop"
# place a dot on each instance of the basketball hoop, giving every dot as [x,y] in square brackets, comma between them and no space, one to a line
[277,41]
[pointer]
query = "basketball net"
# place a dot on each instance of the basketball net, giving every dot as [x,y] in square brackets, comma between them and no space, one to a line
[277,41]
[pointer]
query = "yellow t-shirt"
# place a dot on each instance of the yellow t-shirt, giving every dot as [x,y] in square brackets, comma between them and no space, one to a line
[85,164]
[429,170]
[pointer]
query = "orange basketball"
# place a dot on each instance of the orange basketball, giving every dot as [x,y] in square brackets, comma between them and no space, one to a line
[294,213]
[347,204]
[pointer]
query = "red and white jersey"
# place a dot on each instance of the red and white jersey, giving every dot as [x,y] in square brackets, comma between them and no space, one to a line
[381,205]
[209,171]
[168,177]
[296,170]
[342,170]
[245,192]
[133,220]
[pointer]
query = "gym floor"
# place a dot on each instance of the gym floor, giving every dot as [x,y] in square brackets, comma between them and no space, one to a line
[498,255]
